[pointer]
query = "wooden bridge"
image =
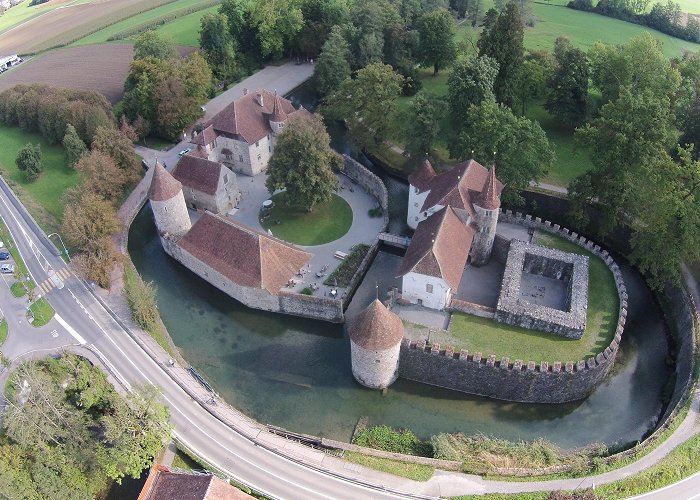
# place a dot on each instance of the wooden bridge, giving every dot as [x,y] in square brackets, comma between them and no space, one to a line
[395,240]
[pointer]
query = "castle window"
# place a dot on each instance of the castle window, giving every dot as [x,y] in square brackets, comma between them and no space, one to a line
[269,149]
[240,158]
[225,178]
[165,209]
[257,144]
[429,288]
[415,204]
[259,156]
[416,190]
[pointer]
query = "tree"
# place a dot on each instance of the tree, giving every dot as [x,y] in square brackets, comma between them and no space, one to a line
[151,43]
[470,83]
[366,104]
[333,65]
[504,43]
[117,145]
[568,87]
[303,162]
[73,145]
[218,46]
[537,70]
[518,146]
[277,24]
[437,46]
[175,109]
[100,174]
[628,132]
[28,161]
[421,124]
[87,218]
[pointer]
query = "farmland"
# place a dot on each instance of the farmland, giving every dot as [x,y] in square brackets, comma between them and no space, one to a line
[185,31]
[95,67]
[24,12]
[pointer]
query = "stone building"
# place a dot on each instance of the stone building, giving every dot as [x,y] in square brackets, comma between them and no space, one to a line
[242,136]
[375,345]
[207,185]
[455,214]
[165,483]
[168,204]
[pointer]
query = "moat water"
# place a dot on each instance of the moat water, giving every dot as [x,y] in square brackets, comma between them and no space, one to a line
[295,373]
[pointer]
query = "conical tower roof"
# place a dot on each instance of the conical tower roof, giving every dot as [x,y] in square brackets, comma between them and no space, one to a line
[278,114]
[490,198]
[163,185]
[422,176]
[376,328]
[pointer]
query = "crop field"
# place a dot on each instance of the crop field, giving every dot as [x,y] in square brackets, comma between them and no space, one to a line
[93,67]
[185,31]
[24,11]
[73,21]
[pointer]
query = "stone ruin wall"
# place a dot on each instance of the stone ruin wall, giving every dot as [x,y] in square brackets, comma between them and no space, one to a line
[518,380]
[370,182]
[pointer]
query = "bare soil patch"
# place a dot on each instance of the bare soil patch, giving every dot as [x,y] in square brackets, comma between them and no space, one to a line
[66,24]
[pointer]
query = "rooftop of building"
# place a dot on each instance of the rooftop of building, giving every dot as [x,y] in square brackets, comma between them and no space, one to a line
[375,328]
[198,173]
[163,185]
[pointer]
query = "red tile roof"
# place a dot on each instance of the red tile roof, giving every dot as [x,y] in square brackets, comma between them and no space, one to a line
[246,119]
[459,186]
[440,247]
[278,114]
[376,328]
[198,173]
[490,196]
[243,255]
[421,177]
[166,484]
[199,152]
[163,185]
[205,137]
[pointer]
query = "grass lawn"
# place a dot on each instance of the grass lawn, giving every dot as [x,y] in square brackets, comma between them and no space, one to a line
[185,462]
[18,289]
[3,331]
[489,337]
[327,222]
[42,311]
[417,472]
[185,30]
[43,196]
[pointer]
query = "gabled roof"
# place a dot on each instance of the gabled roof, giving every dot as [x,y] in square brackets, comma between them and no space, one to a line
[459,186]
[163,185]
[243,255]
[205,137]
[198,173]
[422,176]
[375,328]
[199,152]
[247,119]
[440,247]
[164,483]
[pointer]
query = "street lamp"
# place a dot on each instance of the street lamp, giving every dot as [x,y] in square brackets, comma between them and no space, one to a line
[62,244]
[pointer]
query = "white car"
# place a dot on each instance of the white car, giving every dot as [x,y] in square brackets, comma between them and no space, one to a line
[184,152]
[7,268]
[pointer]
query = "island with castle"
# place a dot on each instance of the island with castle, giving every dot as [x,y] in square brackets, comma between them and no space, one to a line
[463,244]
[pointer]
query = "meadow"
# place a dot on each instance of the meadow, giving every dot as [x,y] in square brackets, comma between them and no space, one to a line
[185,31]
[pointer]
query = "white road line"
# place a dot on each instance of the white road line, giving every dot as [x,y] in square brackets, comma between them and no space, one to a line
[70,329]
[655,492]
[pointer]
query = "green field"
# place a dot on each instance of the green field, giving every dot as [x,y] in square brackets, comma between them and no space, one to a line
[150,15]
[185,31]
[489,337]
[327,222]
[24,12]
[43,196]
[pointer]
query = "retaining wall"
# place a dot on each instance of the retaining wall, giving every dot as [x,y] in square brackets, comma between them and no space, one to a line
[518,380]
[310,306]
[369,182]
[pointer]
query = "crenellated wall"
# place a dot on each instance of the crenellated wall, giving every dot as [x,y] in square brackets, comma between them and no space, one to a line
[518,380]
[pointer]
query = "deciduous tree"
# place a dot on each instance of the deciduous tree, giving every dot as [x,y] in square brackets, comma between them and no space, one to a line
[421,121]
[151,43]
[303,162]
[100,174]
[437,46]
[568,88]
[175,109]
[333,65]
[28,161]
[470,83]
[117,145]
[73,145]
[87,219]
[218,46]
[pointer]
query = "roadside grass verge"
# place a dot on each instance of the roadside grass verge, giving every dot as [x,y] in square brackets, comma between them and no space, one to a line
[17,289]
[417,472]
[3,331]
[346,270]
[42,312]
[43,197]
[185,462]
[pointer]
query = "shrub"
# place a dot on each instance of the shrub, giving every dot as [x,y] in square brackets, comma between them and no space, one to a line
[307,291]
[385,438]
[345,271]
[375,212]
[141,297]
[29,161]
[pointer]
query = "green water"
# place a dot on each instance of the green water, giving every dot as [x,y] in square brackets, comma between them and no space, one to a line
[295,373]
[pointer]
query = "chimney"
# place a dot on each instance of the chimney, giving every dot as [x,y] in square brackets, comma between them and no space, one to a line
[245,91]
[260,100]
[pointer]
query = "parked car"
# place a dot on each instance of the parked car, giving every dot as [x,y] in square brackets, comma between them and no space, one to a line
[7,268]
[2,244]
[184,152]
[4,255]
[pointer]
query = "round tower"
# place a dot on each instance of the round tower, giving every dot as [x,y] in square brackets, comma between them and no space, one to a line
[487,207]
[278,116]
[375,344]
[168,203]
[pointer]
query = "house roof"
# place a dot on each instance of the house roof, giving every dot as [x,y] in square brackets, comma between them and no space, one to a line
[205,137]
[421,177]
[459,186]
[166,484]
[198,173]
[490,196]
[440,247]
[375,328]
[199,152]
[243,255]
[247,118]
[163,185]
[278,114]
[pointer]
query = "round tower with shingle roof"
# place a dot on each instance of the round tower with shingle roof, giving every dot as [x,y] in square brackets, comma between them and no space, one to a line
[375,345]
[168,203]
[278,116]
[487,207]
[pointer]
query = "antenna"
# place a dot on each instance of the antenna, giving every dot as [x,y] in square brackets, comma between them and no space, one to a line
[376,289]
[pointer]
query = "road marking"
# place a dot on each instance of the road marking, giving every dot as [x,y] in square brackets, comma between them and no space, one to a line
[54,333]
[69,329]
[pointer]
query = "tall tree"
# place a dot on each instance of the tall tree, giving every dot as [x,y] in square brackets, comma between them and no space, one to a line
[100,174]
[333,65]
[115,144]
[176,110]
[518,146]
[421,121]
[303,162]
[73,145]
[537,70]
[470,83]
[277,24]
[88,219]
[218,46]
[568,88]
[437,46]
[28,161]
[504,43]
[151,43]
[366,104]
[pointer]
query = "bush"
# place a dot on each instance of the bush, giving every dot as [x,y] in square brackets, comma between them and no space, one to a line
[29,161]
[307,291]
[141,297]
[385,438]
[375,212]
[345,271]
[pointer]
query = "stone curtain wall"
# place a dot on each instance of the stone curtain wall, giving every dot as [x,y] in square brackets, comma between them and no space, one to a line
[310,306]
[518,380]
[356,279]
[369,182]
